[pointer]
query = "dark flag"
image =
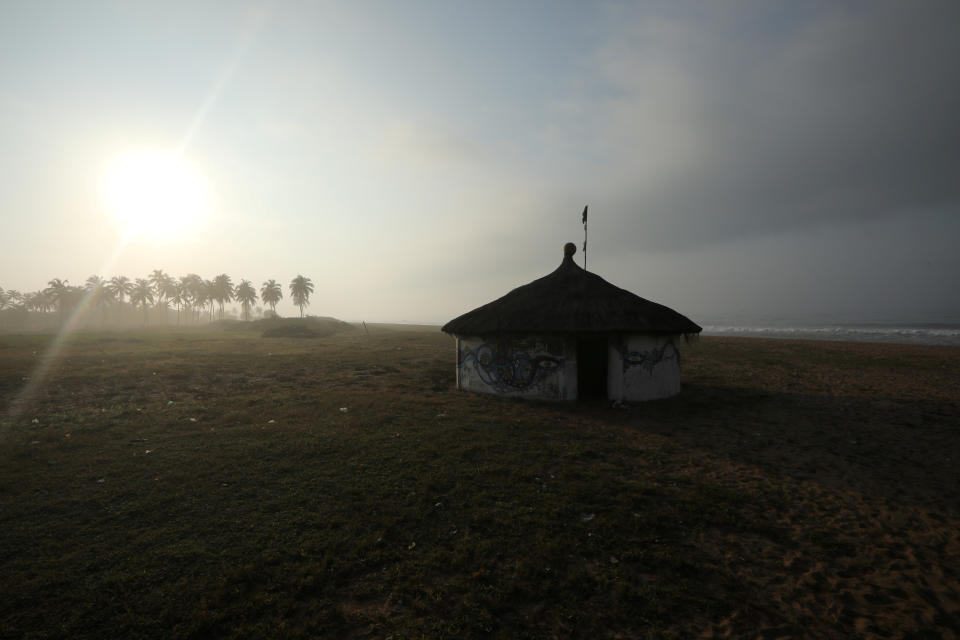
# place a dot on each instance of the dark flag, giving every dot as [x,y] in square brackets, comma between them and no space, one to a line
[585,237]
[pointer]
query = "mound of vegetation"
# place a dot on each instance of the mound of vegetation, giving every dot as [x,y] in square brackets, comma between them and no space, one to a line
[311,327]
[290,331]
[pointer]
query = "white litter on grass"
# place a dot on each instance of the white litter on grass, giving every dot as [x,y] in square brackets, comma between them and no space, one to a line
[35,421]
[101,480]
[344,409]
[613,560]
[587,517]
[271,421]
[193,419]
[148,451]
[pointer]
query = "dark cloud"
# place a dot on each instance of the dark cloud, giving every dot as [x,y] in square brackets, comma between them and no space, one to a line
[848,114]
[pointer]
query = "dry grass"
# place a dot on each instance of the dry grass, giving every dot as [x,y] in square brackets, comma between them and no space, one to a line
[207,483]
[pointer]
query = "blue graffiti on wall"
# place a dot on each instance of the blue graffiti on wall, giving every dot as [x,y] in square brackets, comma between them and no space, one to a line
[507,370]
[648,360]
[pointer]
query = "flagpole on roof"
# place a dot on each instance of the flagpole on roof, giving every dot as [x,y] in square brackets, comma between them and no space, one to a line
[585,237]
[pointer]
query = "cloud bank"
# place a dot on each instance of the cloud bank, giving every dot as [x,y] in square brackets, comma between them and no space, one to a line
[715,123]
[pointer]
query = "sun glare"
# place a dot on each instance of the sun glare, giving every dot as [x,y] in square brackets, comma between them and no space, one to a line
[155,195]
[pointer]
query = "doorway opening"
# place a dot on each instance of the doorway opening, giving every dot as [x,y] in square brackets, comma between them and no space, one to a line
[592,368]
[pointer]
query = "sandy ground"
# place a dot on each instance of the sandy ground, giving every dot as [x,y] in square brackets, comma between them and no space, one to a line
[852,454]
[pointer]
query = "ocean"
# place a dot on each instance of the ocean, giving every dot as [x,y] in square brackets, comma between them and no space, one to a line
[942,332]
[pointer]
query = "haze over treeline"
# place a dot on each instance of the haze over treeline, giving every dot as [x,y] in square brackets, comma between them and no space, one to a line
[159,299]
[420,159]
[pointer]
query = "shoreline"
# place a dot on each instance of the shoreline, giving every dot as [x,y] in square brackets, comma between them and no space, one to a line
[940,335]
[822,341]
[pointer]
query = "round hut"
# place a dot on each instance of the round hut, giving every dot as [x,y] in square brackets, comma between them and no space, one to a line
[571,335]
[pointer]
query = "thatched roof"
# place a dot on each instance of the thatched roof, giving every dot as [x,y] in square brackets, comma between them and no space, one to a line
[570,300]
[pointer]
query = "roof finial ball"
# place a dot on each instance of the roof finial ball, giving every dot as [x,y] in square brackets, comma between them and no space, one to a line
[569,249]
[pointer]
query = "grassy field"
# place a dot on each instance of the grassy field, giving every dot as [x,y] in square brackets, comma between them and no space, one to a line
[215,483]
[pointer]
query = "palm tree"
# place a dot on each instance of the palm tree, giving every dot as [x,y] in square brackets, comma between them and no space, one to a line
[169,289]
[142,294]
[177,295]
[27,300]
[208,296]
[159,281]
[164,286]
[60,293]
[119,287]
[38,301]
[192,286]
[222,290]
[271,293]
[43,301]
[246,295]
[14,298]
[99,295]
[156,279]
[6,299]
[300,290]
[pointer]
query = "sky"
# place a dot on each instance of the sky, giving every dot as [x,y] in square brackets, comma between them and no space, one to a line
[752,159]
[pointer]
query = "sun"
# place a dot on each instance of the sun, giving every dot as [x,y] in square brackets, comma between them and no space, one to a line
[155,195]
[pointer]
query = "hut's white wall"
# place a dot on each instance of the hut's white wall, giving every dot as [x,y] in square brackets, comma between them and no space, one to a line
[538,367]
[643,367]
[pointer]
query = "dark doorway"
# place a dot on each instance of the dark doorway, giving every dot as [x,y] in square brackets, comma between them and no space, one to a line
[592,368]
